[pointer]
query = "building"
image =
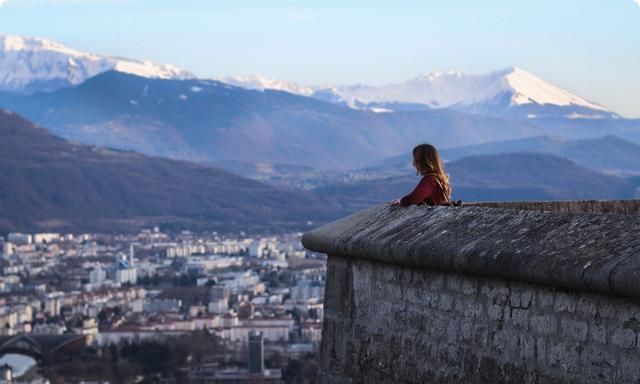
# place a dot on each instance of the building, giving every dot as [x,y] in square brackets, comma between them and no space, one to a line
[256,352]
[53,303]
[42,238]
[125,271]
[97,275]
[7,249]
[90,329]
[257,249]
[20,238]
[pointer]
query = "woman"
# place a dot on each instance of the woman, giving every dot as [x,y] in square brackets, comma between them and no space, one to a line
[434,187]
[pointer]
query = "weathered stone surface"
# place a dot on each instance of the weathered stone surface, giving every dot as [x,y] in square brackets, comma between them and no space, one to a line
[487,338]
[589,252]
[481,295]
[619,207]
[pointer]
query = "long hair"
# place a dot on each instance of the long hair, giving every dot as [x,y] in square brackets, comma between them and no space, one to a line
[427,162]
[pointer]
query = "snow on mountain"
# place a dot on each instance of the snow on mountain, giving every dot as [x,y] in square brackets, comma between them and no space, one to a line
[511,89]
[528,88]
[454,89]
[261,83]
[37,64]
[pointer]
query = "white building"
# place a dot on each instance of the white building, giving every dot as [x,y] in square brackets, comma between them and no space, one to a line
[257,249]
[218,306]
[306,291]
[97,275]
[48,238]
[272,329]
[53,303]
[127,275]
[185,250]
[20,238]
[7,249]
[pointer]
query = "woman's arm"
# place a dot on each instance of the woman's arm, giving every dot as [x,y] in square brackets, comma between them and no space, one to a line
[423,191]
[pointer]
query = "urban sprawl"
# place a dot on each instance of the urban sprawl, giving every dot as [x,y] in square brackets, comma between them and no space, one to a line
[259,300]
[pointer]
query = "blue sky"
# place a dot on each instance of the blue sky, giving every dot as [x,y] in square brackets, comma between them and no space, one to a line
[590,47]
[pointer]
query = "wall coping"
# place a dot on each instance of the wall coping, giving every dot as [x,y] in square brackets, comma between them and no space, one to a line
[584,251]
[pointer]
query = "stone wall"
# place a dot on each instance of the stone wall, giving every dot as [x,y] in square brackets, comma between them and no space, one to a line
[533,297]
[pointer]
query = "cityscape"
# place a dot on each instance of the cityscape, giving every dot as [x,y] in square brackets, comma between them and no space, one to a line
[252,306]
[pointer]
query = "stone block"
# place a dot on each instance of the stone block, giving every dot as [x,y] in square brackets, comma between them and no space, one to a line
[521,295]
[598,333]
[544,298]
[520,318]
[469,286]
[437,282]
[623,338]
[564,356]
[474,311]
[527,348]
[496,292]
[454,282]
[587,305]
[544,324]
[495,312]
[445,301]
[574,329]
[565,302]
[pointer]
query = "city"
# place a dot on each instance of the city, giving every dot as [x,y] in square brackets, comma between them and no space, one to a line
[153,288]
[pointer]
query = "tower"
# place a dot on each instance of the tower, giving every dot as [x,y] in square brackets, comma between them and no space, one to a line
[256,352]
[131,256]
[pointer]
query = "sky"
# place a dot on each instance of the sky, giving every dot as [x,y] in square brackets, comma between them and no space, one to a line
[590,47]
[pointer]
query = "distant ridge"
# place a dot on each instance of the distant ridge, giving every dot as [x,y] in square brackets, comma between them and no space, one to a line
[609,154]
[503,177]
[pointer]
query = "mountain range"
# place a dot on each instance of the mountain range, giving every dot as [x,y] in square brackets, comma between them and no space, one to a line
[510,92]
[50,184]
[205,120]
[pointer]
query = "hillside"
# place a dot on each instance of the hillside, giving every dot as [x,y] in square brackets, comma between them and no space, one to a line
[47,183]
[508,177]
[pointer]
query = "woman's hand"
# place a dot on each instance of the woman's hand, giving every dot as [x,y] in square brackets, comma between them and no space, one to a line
[395,203]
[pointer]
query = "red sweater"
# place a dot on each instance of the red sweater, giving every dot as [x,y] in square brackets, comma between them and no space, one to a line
[427,191]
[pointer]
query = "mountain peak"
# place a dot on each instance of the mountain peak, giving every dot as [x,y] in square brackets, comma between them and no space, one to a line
[32,64]
[528,88]
[20,43]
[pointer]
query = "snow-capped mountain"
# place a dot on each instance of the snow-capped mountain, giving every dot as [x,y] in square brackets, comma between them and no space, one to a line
[512,91]
[261,83]
[445,90]
[35,64]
